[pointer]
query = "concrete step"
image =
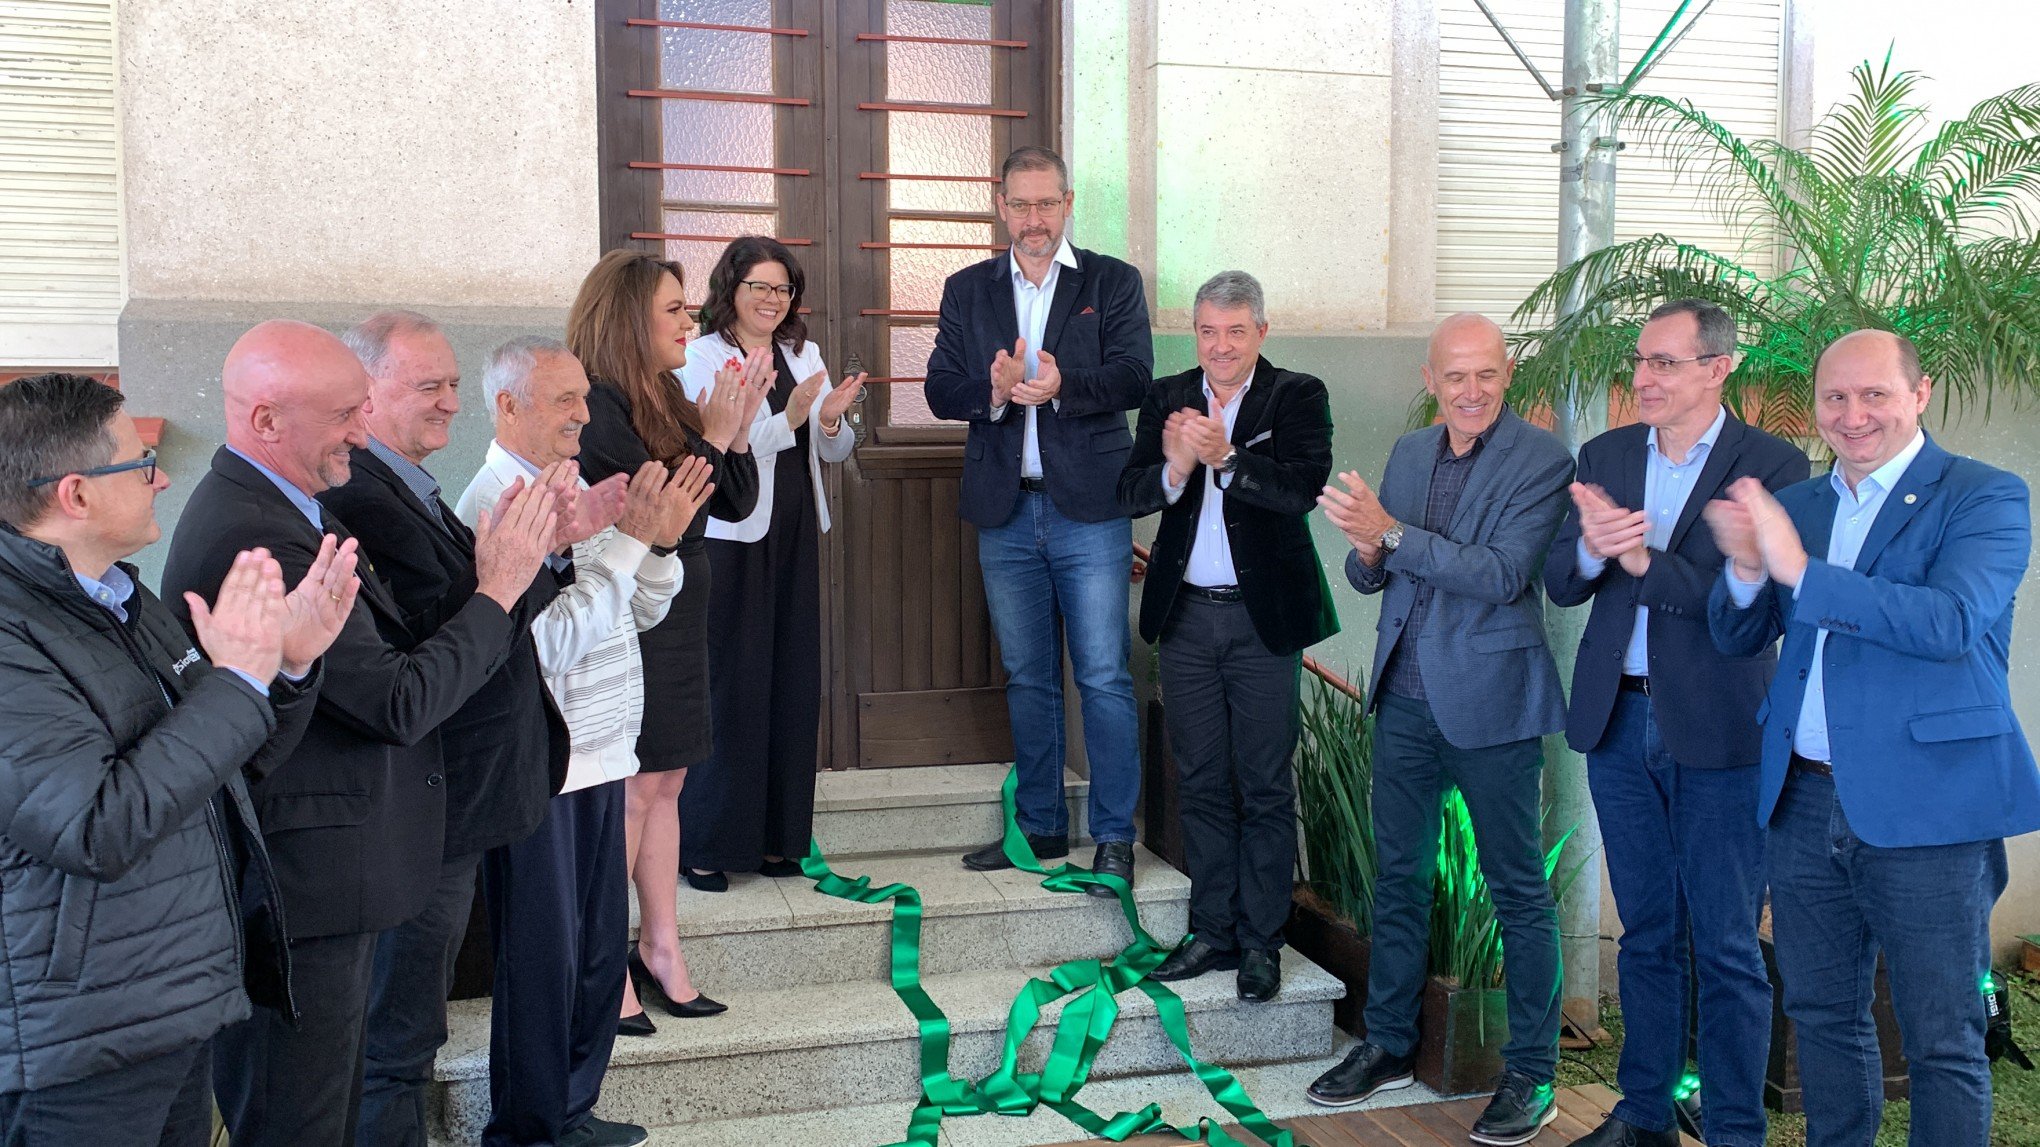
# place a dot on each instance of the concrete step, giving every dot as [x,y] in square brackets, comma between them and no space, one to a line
[766,933]
[822,1047]
[860,812]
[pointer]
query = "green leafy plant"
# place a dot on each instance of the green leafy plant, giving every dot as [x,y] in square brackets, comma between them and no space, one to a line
[1334,790]
[1877,222]
[1466,935]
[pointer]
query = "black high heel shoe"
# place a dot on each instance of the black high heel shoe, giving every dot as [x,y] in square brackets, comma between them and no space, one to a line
[700,1007]
[639,1024]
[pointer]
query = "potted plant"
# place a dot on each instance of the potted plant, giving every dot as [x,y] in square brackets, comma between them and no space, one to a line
[1333,906]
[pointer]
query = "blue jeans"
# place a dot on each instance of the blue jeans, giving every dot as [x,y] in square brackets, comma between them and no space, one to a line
[1048,577]
[1414,765]
[1835,901]
[1686,862]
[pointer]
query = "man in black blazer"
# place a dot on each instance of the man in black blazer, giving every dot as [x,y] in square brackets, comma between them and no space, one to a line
[505,751]
[1668,724]
[355,820]
[1042,350]
[1233,454]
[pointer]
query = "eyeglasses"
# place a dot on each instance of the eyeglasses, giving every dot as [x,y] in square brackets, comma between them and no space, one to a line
[1022,208]
[760,290]
[1661,366]
[146,463]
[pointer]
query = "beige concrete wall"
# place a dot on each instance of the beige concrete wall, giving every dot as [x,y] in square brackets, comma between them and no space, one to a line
[433,152]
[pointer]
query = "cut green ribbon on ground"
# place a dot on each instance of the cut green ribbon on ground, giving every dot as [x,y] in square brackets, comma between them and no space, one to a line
[1092,987]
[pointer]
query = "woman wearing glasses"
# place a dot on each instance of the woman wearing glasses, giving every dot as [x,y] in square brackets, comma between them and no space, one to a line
[750,807]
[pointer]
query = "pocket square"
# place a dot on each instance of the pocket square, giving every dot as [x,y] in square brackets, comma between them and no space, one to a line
[1263,436]
[1088,311]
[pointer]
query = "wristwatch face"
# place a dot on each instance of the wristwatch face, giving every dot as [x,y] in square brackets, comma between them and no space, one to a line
[1231,461]
[1391,538]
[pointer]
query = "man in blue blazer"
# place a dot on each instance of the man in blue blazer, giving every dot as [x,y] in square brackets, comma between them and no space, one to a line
[1463,690]
[1042,351]
[1669,728]
[1893,766]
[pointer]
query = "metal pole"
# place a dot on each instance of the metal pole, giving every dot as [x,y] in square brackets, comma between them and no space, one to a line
[1586,223]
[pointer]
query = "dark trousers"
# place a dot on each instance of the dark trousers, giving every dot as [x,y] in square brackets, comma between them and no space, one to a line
[1414,765]
[407,1010]
[755,796]
[1686,863]
[160,1102]
[559,911]
[1835,902]
[280,1086]
[1232,713]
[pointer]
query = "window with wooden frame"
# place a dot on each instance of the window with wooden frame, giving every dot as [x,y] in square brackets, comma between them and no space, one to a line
[864,134]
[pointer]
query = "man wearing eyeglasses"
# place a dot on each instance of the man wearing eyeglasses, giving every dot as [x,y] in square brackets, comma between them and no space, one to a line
[1042,350]
[1668,724]
[139,899]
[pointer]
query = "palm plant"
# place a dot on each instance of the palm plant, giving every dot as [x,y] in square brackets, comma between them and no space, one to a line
[1876,223]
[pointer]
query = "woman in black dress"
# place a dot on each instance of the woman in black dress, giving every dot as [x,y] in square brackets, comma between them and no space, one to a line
[629,327]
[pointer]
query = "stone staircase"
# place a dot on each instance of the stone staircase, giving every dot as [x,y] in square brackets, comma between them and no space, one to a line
[817,1049]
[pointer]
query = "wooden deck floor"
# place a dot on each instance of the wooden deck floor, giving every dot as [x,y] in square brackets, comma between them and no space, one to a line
[1580,1110]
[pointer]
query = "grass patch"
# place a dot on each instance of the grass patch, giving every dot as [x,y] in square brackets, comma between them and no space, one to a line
[2016,1091]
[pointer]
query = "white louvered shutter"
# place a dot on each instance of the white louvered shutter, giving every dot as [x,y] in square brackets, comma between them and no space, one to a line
[60,259]
[1497,175]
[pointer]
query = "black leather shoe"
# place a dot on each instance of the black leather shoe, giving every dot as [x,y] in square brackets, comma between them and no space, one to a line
[1618,1133]
[1366,1070]
[1520,1109]
[779,869]
[706,881]
[1193,960]
[603,1133]
[639,1024]
[1260,975]
[992,857]
[1116,858]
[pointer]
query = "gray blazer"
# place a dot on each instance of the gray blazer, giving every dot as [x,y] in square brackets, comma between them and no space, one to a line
[1487,670]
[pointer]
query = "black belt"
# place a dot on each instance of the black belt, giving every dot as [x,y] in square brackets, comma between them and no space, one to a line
[1811,767]
[1034,485]
[1631,684]
[1219,593]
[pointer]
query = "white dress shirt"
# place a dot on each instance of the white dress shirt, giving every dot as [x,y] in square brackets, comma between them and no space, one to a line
[1667,486]
[1855,513]
[1030,307]
[1211,561]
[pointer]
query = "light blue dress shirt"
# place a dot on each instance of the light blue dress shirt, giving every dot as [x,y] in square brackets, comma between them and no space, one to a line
[1030,306]
[306,504]
[1211,561]
[1855,513]
[112,591]
[1667,485]
[415,478]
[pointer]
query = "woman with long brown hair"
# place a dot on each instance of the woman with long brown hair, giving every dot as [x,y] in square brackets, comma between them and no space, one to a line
[629,327]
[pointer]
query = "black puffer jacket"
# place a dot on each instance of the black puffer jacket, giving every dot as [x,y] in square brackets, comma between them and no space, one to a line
[126,835]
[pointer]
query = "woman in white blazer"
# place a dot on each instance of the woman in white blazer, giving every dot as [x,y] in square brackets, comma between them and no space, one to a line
[750,806]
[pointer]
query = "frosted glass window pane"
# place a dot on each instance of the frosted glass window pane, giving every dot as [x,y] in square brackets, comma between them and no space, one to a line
[910,349]
[698,257]
[923,144]
[917,275]
[755,13]
[715,61]
[735,135]
[942,73]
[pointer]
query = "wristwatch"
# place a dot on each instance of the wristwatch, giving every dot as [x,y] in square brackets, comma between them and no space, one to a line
[1391,538]
[1231,461]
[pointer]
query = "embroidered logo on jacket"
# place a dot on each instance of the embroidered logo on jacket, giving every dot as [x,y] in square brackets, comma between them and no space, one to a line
[190,657]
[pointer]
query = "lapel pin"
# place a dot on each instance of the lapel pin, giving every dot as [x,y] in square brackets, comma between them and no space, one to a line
[1911,498]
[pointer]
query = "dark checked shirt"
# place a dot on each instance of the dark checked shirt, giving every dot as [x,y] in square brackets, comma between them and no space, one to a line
[1449,472]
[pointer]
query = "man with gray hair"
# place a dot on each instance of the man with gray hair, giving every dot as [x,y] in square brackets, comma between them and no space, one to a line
[1233,454]
[557,899]
[504,751]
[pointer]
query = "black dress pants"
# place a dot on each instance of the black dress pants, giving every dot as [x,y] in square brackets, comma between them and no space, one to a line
[1233,723]
[407,1009]
[755,795]
[280,1086]
[160,1102]
[559,913]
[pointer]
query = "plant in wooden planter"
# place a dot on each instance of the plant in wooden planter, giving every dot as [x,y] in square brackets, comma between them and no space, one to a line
[1334,904]
[1464,1020]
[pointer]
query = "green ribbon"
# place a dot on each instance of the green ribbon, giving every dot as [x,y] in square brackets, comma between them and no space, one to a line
[1081,1032]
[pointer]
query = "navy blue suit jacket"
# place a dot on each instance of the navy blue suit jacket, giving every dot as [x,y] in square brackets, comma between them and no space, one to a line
[1098,332]
[1705,702]
[1926,747]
